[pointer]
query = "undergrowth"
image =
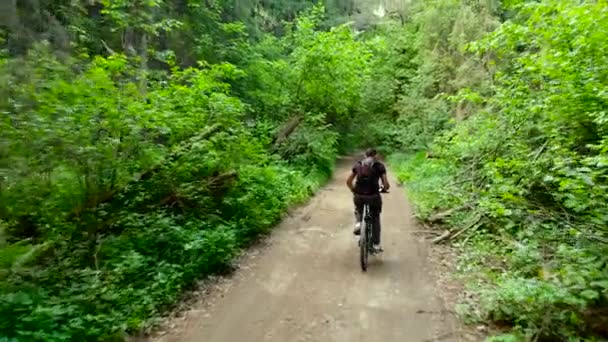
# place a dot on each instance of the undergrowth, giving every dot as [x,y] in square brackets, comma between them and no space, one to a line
[122,186]
[536,283]
[518,177]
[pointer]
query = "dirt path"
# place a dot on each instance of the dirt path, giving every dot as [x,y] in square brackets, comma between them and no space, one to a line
[306,284]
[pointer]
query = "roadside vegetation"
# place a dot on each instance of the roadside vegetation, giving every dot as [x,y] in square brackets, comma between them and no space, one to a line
[508,153]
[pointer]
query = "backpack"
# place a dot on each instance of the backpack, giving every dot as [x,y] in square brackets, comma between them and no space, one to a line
[365,169]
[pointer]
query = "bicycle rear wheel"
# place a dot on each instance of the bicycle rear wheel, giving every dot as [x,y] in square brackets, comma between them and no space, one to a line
[363,251]
[363,242]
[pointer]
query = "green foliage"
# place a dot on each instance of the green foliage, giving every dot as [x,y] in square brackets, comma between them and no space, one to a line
[425,179]
[126,178]
[315,75]
[506,338]
[420,65]
[68,144]
[329,70]
[529,165]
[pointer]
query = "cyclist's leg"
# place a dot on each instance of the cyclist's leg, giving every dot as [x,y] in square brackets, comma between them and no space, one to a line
[358,201]
[376,208]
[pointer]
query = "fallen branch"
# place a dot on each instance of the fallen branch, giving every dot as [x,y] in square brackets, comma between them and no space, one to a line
[475,224]
[222,178]
[31,255]
[441,237]
[540,151]
[449,235]
[465,180]
[425,232]
[108,49]
[589,236]
[218,184]
[442,215]
[288,129]
[215,183]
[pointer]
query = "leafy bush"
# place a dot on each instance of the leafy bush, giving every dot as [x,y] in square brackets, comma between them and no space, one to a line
[124,183]
[425,180]
[529,166]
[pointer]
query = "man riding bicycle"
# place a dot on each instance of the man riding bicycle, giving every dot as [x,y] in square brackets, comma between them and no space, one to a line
[366,190]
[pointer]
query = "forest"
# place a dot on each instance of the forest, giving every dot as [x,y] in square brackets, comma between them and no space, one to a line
[145,143]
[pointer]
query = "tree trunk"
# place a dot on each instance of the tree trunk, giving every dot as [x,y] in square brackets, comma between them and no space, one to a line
[9,16]
[143,65]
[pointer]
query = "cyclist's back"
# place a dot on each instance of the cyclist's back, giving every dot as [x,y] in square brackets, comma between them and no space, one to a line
[368,172]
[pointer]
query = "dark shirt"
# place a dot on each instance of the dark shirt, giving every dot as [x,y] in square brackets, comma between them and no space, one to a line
[369,186]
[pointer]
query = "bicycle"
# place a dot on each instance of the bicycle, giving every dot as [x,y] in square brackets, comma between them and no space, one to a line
[366,245]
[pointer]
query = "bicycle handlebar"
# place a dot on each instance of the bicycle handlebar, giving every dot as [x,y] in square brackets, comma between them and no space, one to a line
[382,191]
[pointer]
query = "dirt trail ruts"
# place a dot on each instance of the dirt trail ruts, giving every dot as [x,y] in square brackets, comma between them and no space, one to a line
[306,283]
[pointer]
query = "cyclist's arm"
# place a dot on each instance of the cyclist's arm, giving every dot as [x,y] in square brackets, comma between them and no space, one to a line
[349,181]
[383,177]
[385,184]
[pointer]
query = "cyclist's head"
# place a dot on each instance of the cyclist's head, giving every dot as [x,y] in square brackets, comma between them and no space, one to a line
[370,152]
